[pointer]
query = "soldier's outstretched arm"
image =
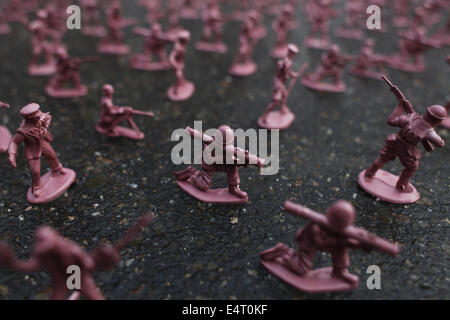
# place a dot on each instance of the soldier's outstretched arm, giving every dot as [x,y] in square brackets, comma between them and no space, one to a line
[13,147]
[435,139]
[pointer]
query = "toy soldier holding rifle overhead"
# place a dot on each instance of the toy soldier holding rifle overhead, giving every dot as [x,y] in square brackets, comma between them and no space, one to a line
[111,116]
[220,155]
[334,233]
[414,128]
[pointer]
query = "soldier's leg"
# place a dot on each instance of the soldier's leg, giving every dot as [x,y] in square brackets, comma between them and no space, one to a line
[234,181]
[89,289]
[386,154]
[341,262]
[76,80]
[337,74]
[50,155]
[36,183]
[133,124]
[410,167]
[270,108]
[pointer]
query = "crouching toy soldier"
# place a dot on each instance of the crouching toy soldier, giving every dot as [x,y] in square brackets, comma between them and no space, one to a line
[198,182]
[33,132]
[332,233]
[111,116]
[414,128]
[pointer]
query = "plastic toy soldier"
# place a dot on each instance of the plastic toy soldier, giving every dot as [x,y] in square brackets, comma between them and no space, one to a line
[333,233]
[40,46]
[188,9]
[259,30]
[319,13]
[366,61]
[332,65]
[414,128]
[354,20]
[5,135]
[111,116]
[56,254]
[243,64]
[182,89]
[15,11]
[153,8]
[155,44]
[113,42]
[220,155]
[33,132]
[67,72]
[280,25]
[401,8]
[283,118]
[412,45]
[92,25]
[173,17]
[212,30]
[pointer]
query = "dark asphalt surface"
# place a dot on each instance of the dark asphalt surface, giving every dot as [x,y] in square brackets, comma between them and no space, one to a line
[202,251]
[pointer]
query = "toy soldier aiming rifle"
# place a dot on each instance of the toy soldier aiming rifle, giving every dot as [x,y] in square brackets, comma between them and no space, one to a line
[414,128]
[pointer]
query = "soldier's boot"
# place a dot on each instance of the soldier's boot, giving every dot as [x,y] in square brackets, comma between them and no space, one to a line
[58,170]
[343,274]
[403,181]
[237,191]
[372,170]
[185,174]
[37,190]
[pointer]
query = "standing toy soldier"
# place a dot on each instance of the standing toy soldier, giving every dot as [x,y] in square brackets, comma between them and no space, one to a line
[414,128]
[282,118]
[332,65]
[319,13]
[40,46]
[113,42]
[111,116]
[154,13]
[56,254]
[67,72]
[212,30]
[280,25]
[354,20]
[173,17]
[412,45]
[5,135]
[91,23]
[182,89]
[259,31]
[243,64]
[189,9]
[366,61]
[33,132]
[221,156]
[155,44]
[333,233]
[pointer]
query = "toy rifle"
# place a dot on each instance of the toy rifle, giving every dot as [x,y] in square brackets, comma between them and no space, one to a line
[400,96]
[133,112]
[365,238]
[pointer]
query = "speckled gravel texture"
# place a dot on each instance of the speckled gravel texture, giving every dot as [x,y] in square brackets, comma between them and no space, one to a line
[203,251]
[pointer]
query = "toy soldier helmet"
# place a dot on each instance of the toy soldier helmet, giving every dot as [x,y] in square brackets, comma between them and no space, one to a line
[293,48]
[437,112]
[108,89]
[224,135]
[30,111]
[184,35]
[341,214]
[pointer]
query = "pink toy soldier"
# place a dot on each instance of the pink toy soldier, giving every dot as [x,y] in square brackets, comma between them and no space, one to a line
[5,135]
[412,45]
[283,118]
[259,30]
[40,46]
[189,10]
[67,73]
[280,25]
[243,64]
[332,65]
[401,8]
[319,13]
[154,13]
[56,254]
[33,132]
[173,16]
[414,128]
[212,30]
[92,25]
[240,9]
[367,61]
[427,14]
[222,157]
[354,20]
[155,44]
[332,232]
[15,11]
[182,89]
[113,42]
[111,116]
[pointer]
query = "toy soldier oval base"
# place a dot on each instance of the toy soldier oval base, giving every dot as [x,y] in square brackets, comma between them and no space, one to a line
[317,43]
[277,120]
[211,47]
[94,31]
[143,62]
[42,70]
[120,131]
[181,92]
[243,69]
[53,186]
[398,62]
[114,49]
[354,34]
[322,86]
[221,195]
[66,92]
[5,139]
[319,280]
[382,186]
